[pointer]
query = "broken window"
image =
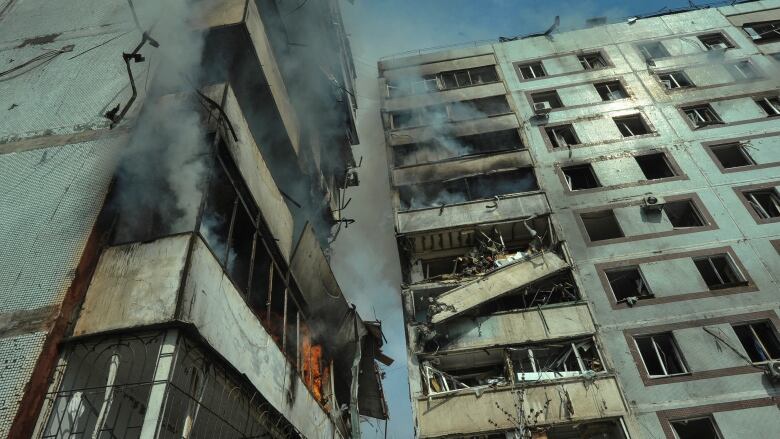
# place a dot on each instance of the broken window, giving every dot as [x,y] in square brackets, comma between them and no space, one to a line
[611,90]
[655,166]
[683,214]
[601,225]
[732,155]
[715,41]
[765,202]
[592,61]
[531,70]
[759,340]
[259,291]
[425,84]
[653,50]
[580,177]
[557,289]
[770,105]
[445,147]
[440,382]
[702,115]
[628,285]
[555,361]
[673,80]
[549,99]
[744,71]
[218,212]
[467,77]
[718,271]
[660,355]
[763,31]
[695,428]
[239,257]
[562,136]
[502,183]
[630,126]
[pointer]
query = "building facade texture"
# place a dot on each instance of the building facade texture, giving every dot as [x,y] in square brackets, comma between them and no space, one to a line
[588,228]
[169,180]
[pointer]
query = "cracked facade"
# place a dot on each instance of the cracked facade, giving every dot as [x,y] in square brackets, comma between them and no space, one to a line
[169,180]
[588,229]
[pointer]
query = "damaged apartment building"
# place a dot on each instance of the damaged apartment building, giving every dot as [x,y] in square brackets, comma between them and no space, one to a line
[588,225]
[170,179]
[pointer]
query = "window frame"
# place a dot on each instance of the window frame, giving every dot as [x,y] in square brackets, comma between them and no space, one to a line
[709,46]
[531,66]
[742,279]
[718,434]
[636,117]
[672,77]
[774,26]
[699,111]
[649,292]
[645,52]
[756,338]
[555,101]
[667,161]
[659,357]
[568,180]
[770,105]
[587,65]
[760,209]
[555,142]
[741,149]
[740,73]
[609,85]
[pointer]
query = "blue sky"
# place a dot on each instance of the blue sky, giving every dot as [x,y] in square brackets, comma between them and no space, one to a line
[365,259]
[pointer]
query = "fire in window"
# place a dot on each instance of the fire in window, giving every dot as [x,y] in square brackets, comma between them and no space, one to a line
[759,341]
[696,428]
[702,116]
[732,155]
[660,355]
[630,126]
[674,80]
[770,105]
[763,32]
[562,136]
[716,41]
[611,90]
[718,272]
[765,202]
[532,70]
[592,61]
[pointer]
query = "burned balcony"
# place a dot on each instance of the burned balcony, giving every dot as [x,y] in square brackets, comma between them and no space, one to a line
[446,147]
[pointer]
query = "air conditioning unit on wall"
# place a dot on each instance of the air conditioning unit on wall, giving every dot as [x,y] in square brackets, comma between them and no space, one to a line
[652,204]
[542,108]
[773,370]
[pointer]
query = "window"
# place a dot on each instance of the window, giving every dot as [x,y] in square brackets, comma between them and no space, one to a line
[592,61]
[763,32]
[770,105]
[654,166]
[765,202]
[628,283]
[601,225]
[718,271]
[759,340]
[478,108]
[673,80]
[702,116]
[630,126]
[467,77]
[580,177]
[744,71]
[562,135]
[531,70]
[611,91]
[419,116]
[550,98]
[697,428]
[715,41]
[683,214]
[425,84]
[732,155]
[444,147]
[660,355]
[653,50]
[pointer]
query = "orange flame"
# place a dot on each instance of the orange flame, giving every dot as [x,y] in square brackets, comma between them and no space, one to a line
[313,368]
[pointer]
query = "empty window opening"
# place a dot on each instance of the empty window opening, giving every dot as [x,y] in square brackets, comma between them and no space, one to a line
[239,257]
[732,155]
[562,136]
[673,80]
[601,225]
[592,61]
[468,77]
[718,271]
[744,71]
[218,213]
[633,125]
[759,340]
[549,99]
[697,428]
[628,285]
[478,108]
[653,50]
[260,285]
[444,147]
[702,115]
[683,214]
[763,32]
[655,166]
[580,177]
[660,355]
[531,70]
[770,105]
[611,90]
[765,202]
[716,41]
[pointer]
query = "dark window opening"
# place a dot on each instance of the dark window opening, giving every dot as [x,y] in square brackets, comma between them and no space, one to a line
[765,202]
[630,126]
[628,283]
[759,340]
[419,117]
[275,309]
[770,105]
[601,225]
[702,115]
[698,428]
[655,166]
[531,70]
[715,41]
[732,155]
[744,71]
[240,249]
[562,136]
[673,80]
[718,272]
[261,278]
[549,99]
[558,289]
[611,90]
[478,108]
[653,50]
[444,147]
[591,61]
[660,355]
[763,31]
[580,177]
[218,213]
[292,329]
[683,214]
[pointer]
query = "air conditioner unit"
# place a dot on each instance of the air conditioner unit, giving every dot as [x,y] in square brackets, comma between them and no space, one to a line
[652,204]
[542,108]
[773,370]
